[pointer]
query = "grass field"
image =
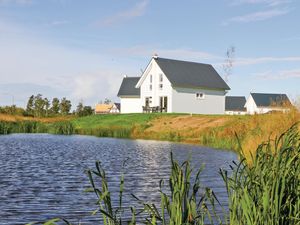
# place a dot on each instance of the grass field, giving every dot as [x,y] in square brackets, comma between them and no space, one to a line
[222,131]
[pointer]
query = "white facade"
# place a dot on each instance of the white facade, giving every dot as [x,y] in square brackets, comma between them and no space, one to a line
[154,86]
[156,90]
[114,109]
[131,105]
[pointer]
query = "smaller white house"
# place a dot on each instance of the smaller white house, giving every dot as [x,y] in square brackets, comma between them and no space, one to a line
[235,105]
[260,103]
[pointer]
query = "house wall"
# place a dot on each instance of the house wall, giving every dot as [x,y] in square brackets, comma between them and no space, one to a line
[130,105]
[251,106]
[185,101]
[156,93]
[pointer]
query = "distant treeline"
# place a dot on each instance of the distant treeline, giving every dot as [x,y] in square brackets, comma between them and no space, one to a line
[38,106]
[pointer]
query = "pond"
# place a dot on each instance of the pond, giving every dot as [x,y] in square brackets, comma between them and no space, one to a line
[43,176]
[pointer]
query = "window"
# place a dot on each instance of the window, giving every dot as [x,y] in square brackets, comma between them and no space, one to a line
[160,86]
[160,78]
[200,95]
[150,87]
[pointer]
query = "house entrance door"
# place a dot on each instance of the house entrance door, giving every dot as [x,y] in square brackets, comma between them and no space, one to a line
[163,103]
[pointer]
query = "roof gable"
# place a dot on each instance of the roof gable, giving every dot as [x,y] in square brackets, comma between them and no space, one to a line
[265,100]
[235,103]
[128,88]
[191,74]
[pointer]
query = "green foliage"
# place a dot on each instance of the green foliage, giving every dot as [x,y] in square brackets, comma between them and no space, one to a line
[63,128]
[65,106]
[268,191]
[82,110]
[55,106]
[12,110]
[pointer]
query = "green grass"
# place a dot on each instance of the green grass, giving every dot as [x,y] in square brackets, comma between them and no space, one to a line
[121,120]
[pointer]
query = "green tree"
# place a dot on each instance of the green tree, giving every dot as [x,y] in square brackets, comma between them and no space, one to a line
[29,107]
[55,106]
[47,106]
[79,109]
[107,101]
[39,105]
[87,110]
[65,106]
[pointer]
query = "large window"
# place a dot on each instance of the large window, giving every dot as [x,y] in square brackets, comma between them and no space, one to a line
[160,82]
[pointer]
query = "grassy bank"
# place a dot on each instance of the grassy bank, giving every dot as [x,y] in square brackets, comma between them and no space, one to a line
[224,132]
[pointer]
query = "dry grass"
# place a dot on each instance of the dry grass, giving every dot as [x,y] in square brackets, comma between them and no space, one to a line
[15,118]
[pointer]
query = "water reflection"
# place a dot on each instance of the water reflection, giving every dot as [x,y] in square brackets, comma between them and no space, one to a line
[42,176]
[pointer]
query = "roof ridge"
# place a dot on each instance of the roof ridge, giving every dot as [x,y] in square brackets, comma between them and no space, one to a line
[178,60]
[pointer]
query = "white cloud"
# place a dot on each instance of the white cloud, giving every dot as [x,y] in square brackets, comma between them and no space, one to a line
[257,16]
[271,3]
[137,11]
[77,74]
[279,75]
[261,60]
[178,53]
[59,22]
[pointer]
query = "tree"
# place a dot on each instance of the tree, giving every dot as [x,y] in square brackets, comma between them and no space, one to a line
[65,106]
[47,106]
[55,106]
[228,64]
[29,107]
[107,101]
[87,110]
[38,105]
[79,109]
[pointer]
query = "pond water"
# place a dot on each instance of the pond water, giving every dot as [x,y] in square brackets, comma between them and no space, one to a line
[42,176]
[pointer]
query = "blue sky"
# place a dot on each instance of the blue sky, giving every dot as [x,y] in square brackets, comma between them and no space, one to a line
[81,49]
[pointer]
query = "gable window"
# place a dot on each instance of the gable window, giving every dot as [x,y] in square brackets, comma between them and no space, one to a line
[160,86]
[200,95]
[160,78]
[150,87]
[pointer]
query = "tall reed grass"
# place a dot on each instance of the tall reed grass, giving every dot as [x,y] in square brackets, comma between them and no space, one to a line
[267,191]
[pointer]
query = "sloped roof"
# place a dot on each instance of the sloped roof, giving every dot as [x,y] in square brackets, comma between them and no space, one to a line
[264,99]
[191,74]
[235,103]
[103,107]
[128,87]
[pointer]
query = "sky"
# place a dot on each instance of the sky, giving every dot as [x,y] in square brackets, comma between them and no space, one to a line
[81,49]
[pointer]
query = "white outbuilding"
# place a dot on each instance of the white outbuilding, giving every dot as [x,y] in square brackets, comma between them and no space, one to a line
[260,103]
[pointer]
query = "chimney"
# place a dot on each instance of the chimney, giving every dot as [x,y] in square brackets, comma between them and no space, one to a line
[155,56]
[125,76]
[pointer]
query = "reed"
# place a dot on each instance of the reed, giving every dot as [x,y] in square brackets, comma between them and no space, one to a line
[267,191]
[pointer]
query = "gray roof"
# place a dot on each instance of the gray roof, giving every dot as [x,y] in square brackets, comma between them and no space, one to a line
[235,103]
[191,74]
[128,87]
[262,99]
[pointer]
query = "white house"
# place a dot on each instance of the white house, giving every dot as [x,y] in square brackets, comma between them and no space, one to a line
[174,86]
[235,105]
[260,103]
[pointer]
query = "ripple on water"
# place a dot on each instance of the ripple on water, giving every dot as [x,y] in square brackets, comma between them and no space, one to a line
[42,176]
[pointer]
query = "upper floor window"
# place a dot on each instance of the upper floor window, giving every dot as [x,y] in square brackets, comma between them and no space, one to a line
[200,95]
[150,87]
[160,86]
[160,78]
